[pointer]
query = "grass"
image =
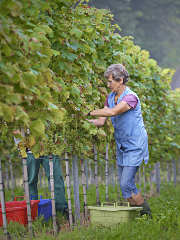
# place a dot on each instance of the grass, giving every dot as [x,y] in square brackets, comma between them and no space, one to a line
[165,224]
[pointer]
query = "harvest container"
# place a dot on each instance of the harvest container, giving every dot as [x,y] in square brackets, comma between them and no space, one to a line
[15,214]
[44,208]
[16,211]
[108,215]
[34,206]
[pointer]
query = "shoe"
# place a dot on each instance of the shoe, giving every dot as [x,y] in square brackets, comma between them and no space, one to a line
[146,209]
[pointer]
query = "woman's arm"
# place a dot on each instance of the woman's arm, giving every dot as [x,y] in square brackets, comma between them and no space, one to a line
[99,122]
[109,112]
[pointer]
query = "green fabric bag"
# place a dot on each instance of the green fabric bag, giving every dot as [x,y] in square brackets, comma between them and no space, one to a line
[33,171]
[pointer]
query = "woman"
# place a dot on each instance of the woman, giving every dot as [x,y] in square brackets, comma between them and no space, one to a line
[123,106]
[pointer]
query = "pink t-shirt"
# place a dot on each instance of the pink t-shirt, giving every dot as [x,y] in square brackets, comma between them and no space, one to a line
[130,99]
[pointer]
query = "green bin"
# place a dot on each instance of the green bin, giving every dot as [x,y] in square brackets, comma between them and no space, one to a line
[108,215]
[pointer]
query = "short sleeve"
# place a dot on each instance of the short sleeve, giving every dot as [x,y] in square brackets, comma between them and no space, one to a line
[131,100]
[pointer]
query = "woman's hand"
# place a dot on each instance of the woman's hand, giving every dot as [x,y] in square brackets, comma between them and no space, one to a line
[91,120]
[97,122]
[17,132]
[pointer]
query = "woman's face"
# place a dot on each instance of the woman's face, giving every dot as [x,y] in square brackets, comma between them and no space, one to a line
[113,85]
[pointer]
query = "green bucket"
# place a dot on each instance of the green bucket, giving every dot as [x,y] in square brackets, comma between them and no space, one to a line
[112,214]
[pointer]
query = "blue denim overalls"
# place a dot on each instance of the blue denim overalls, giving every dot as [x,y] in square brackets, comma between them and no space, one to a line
[130,134]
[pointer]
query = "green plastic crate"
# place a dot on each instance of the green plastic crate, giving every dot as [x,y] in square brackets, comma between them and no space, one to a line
[108,215]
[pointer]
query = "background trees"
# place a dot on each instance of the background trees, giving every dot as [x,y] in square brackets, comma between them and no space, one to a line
[155,25]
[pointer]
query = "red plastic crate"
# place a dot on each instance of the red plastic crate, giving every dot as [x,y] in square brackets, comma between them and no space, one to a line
[17,211]
[34,205]
[15,214]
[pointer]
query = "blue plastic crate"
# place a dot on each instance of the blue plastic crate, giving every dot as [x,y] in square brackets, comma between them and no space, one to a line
[44,208]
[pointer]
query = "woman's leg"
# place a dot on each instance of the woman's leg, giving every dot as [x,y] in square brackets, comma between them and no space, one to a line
[136,198]
[127,182]
[129,189]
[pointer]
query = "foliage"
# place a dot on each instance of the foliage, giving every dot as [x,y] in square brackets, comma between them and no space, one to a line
[153,24]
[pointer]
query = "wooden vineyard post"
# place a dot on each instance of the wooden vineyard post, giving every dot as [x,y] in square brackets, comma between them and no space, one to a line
[118,182]
[40,177]
[168,173]
[96,174]
[12,178]
[107,172]
[43,178]
[26,188]
[144,179]
[150,181]
[68,184]
[139,174]
[174,172]
[86,173]
[83,179]
[3,207]
[163,176]
[52,193]
[76,188]
[7,174]
[158,178]
[112,176]
[90,174]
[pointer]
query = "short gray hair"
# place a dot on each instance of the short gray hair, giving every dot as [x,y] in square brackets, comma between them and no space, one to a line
[117,71]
